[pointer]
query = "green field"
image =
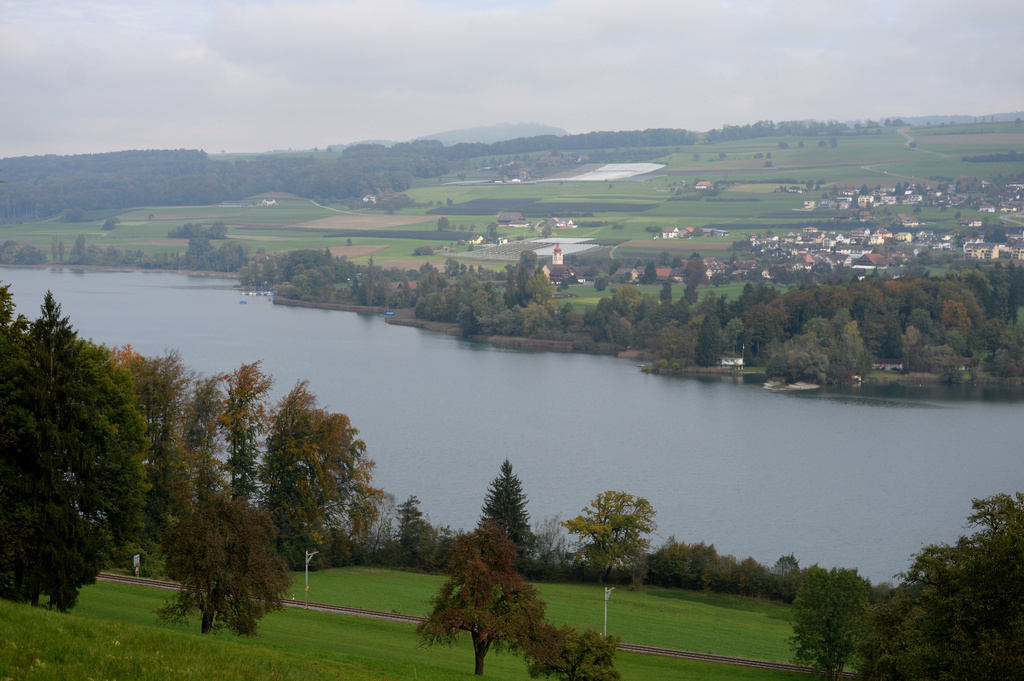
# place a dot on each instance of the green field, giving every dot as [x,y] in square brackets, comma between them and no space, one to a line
[754,204]
[113,634]
[725,625]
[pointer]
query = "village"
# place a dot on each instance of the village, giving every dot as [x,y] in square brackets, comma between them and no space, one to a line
[865,231]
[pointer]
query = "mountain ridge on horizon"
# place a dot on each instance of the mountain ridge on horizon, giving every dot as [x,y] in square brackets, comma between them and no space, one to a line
[500,132]
[485,134]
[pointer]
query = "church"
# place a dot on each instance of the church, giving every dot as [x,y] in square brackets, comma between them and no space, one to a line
[557,271]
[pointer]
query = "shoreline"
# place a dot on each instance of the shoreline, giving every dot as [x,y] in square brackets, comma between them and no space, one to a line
[113,268]
[406,317]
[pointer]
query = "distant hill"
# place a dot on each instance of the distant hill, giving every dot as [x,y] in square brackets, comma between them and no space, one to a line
[487,134]
[343,147]
[490,134]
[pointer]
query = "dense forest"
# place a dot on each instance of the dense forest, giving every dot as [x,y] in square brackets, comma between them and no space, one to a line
[955,326]
[77,187]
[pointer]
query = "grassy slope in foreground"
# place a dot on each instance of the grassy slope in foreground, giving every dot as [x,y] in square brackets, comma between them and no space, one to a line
[114,634]
[668,618]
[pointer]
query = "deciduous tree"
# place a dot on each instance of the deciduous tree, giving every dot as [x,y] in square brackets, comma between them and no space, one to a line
[829,618]
[203,449]
[316,475]
[222,552]
[162,385]
[484,597]
[960,612]
[575,655]
[611,530]
[243,422]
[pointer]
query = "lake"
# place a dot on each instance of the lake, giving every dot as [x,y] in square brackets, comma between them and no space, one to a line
[859,477]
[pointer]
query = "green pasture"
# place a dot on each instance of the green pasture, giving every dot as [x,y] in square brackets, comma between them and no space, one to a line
[872,158]
[114,634]
[966,128]
[668,618]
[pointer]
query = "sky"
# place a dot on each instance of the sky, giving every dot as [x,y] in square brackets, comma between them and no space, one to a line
[256,75]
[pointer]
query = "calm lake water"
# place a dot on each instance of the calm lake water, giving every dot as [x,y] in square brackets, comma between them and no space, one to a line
[856,478]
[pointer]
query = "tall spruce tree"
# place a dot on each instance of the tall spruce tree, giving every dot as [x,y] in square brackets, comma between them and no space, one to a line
[505,506]
[75,455]
[708,350]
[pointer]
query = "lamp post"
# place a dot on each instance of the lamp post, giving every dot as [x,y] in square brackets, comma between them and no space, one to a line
[309,557]
[607,592]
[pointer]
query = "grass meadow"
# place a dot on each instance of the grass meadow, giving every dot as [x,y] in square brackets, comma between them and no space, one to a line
[113,634]
[668,618]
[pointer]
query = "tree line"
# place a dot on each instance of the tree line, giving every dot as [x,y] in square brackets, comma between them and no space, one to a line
[957,613]
[201,255]
[107,454]
[91,186]
[954,326]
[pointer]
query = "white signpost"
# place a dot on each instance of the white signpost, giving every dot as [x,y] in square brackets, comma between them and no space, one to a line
[136,561]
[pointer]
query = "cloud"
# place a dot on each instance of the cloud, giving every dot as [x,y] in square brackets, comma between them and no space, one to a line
[96,76]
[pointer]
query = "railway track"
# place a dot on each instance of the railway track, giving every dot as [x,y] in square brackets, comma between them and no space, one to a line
[413,619]
[722,659]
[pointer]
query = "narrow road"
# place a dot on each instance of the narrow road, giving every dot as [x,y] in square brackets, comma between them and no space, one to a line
[910,141]
[908,144]
[343,212]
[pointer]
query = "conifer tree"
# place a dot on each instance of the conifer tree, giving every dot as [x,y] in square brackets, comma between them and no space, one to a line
[708,348]
[505,506]
[74,456]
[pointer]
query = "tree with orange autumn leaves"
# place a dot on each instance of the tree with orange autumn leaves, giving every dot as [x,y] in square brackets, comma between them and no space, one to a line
[316,476]
[302,464]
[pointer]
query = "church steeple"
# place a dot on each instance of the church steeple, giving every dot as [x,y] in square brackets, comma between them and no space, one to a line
[556,257]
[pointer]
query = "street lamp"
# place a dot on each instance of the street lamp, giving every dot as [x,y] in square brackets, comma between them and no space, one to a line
[309,557]
[607,592]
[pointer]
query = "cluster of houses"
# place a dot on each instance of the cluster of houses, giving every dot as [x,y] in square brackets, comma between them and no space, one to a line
[1010,198]
[684,232]
[516,220]
[712,267]
[980,250]
[812,246]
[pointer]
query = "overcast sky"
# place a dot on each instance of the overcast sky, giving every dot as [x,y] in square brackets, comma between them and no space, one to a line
[255,75]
